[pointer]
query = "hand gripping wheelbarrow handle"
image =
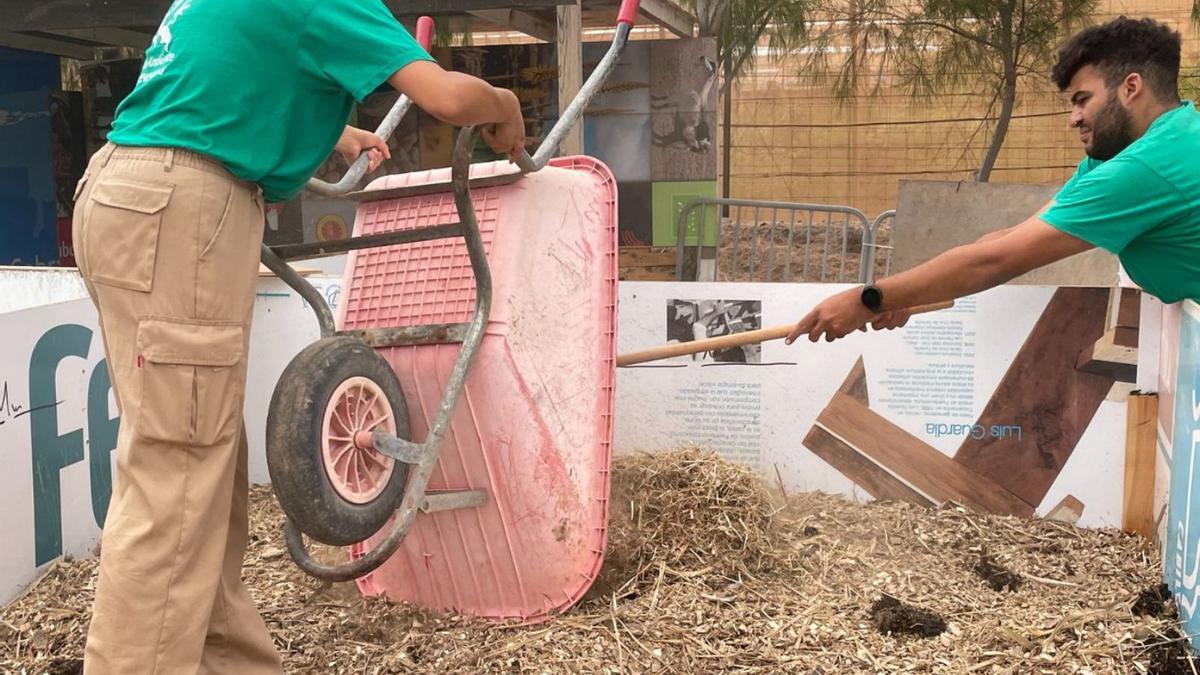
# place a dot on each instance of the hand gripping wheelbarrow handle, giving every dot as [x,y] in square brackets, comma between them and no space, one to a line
[586,93]
[526,162]
[386,127]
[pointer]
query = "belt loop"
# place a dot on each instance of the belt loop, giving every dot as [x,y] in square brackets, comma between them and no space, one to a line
[169,162]
[105,154]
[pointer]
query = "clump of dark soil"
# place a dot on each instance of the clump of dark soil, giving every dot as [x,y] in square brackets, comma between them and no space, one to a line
[1169,654]
[65,667]
[894,617]
[996,575]
[1153,601]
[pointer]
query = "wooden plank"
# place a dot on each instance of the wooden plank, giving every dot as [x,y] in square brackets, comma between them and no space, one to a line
[1109,359]
[866,474]
[670,16]
[1129,308]
[646,275]
[855,385]
[644,256]
[408,8]
[1124,316]
[1137,516]
[918,464]
[1126,336]
[21,15]
[569,48]
[1068,511]
[109,36]
[44,45]
[1045,397]
[523,22]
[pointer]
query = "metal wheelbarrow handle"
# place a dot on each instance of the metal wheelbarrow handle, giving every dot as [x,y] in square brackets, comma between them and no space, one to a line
[385,130]
[587,92]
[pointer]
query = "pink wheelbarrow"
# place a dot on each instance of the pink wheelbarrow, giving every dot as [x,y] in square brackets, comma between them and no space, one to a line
[478,313]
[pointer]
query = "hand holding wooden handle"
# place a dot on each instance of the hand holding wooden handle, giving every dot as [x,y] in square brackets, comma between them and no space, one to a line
[734,340]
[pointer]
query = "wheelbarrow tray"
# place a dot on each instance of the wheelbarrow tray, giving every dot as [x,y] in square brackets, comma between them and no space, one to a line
[534,425]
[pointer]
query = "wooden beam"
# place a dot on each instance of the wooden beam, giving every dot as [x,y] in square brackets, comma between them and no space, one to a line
[911,459]
[866,474]
[20,15]
[434,7]
[1107,358]
[670,16]
[569,43]
[643,263]
[47,46]
[524,22]
[1043,405]
[855,385]
[1141,448]
[646,256]
[109,36]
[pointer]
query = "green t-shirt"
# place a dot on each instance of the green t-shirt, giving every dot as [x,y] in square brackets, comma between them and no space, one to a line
[264,86]
[1143,205]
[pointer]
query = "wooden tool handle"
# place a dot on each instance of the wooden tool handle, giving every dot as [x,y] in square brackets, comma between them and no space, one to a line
[749,337]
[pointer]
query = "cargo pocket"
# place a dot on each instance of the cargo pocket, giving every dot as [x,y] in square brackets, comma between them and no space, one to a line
[122,231]
[192,380]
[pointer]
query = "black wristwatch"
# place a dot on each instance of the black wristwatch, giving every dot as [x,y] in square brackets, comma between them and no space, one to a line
[872,298]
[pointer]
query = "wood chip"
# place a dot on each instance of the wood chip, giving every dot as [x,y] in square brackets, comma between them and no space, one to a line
[709,570]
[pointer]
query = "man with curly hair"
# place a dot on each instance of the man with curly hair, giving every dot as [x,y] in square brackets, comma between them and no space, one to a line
[1136,194]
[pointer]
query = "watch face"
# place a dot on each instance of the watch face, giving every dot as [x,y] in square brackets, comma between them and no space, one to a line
[871,297]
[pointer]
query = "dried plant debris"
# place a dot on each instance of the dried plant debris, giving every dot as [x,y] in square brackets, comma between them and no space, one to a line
[710,571]
[893,617]
[996,576]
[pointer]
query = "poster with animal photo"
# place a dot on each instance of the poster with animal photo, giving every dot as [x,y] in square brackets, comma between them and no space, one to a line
[690,320]
[683,110]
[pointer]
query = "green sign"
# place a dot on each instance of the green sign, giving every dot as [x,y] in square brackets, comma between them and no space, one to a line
[670,199]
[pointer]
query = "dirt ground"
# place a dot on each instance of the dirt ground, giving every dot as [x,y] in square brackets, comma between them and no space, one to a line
[711,571]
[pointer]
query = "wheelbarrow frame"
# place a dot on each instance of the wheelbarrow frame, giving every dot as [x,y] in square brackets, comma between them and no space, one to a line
[422,457]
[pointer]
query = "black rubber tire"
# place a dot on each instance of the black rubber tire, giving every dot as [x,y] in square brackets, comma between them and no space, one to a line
[294,422]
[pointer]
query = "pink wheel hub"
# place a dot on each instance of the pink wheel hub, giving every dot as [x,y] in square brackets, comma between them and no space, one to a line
[356,470]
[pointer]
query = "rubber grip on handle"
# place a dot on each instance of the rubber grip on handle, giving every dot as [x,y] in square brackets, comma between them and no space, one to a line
[629,10]
[425,32]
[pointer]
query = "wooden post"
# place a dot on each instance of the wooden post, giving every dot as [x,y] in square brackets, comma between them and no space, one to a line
[569,43]
[1140,449]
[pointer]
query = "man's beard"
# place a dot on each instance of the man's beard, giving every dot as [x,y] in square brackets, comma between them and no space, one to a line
[1112,131]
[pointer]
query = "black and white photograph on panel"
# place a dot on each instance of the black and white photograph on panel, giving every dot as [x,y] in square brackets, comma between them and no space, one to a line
[689,320]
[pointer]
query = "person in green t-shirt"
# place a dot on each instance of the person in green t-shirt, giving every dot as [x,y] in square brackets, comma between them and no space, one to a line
[1136,194]
[237,102]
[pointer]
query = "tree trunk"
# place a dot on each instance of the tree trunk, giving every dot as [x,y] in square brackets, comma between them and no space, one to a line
[1008,96]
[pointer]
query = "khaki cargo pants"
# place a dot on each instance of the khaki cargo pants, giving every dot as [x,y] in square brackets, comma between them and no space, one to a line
[168,244]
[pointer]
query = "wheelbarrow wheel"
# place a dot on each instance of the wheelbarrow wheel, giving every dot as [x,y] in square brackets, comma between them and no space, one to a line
[333,489]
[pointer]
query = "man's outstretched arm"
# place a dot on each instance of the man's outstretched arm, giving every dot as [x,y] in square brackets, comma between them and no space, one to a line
[967,269]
